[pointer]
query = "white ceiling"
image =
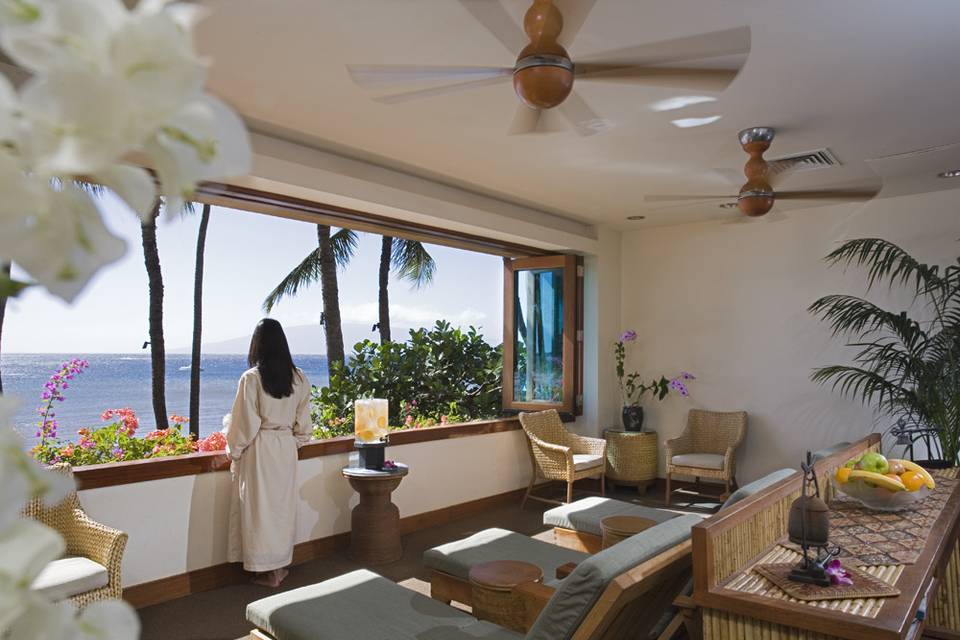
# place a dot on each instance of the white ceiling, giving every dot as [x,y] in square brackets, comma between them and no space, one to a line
[866,78]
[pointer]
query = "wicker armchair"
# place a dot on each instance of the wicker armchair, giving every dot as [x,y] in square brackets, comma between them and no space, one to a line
[557,454]
[85,539]
[706,447]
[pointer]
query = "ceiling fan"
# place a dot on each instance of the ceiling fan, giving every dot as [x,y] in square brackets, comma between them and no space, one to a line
[544,73]
[757,196]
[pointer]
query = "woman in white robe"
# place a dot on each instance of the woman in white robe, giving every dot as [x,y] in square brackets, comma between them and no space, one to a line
[269,421]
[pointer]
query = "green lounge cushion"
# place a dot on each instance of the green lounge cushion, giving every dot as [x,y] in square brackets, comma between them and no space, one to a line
[458,557]
[581,589]
[362,604]
[757,486]
[826,452]
[585,515]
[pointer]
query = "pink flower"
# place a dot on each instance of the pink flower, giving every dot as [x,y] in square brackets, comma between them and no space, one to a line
[838,575]
[443,419]
[214,442]
[67,451]
[156,435]
[408,421]
[106,415]
[175,419]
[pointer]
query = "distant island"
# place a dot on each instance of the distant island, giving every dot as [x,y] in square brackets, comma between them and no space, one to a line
[306,339]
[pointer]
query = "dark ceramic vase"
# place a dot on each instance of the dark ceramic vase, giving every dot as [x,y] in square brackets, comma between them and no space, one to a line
[633,418]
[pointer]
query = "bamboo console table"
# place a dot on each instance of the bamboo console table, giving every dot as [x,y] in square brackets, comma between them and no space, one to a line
[736,603]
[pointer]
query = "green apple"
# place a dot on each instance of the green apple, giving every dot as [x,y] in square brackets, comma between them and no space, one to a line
[873,461]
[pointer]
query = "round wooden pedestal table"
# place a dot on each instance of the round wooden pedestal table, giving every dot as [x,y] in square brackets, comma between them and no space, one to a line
[493,598]
[618,528]
[631,457]
[375,522]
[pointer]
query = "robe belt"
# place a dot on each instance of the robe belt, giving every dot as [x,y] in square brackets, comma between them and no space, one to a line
[276,428]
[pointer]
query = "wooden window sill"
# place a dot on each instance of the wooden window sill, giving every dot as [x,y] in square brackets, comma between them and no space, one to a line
[118,473]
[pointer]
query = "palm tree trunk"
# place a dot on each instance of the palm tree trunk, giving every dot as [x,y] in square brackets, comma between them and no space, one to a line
[3,311]
[197,324]
[386,251]
[158,358]
[331,298]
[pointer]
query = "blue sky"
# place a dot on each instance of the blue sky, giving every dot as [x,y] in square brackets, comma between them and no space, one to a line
[247,254]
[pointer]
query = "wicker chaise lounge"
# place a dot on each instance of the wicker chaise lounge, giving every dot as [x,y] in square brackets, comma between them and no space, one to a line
[621,593]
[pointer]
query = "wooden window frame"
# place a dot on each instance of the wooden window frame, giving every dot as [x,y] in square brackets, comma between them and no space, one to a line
[572,314]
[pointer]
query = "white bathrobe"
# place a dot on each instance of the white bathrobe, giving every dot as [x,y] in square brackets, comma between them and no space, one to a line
[263,435]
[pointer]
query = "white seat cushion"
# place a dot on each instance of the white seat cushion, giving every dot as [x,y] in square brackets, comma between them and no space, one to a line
[70,576]
[583,461]
[699,460]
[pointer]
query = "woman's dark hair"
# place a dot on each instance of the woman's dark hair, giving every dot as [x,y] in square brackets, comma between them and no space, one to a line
[270,354]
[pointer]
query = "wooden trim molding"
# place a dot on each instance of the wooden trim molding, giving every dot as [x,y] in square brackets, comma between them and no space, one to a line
[221,575]
[247,199]
[118,473]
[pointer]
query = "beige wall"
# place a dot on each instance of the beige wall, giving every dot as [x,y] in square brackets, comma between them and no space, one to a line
[728,303]
[180,524]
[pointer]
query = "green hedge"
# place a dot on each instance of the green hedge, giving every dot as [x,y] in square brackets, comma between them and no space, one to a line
[438,375]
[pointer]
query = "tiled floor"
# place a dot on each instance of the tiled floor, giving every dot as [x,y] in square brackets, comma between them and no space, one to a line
[219,614]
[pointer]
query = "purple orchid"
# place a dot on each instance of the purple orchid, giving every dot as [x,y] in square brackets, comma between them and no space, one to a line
[838,575]
[628,336]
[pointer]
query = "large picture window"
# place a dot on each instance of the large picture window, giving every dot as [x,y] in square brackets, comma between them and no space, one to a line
[540,334]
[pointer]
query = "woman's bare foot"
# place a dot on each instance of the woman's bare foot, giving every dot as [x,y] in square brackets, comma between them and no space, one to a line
[271,579]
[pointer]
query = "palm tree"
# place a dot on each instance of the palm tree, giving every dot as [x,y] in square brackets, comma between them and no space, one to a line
[158,356]
[412,262]
[197,324]
[909,368]
[5,269]
[333,250]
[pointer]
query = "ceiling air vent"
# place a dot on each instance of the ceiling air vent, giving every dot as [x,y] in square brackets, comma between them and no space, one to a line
[819,159]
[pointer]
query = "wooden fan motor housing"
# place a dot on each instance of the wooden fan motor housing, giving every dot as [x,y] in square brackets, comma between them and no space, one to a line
[544,72]
[756,195]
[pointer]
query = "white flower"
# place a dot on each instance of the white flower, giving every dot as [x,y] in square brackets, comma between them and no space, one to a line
[26,547]
[62,242]
[133,184]
[82,122]
[109,620]
[74,34]
[204,140]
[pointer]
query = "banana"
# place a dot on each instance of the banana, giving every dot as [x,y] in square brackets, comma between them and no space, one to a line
[877,479]
[909,465]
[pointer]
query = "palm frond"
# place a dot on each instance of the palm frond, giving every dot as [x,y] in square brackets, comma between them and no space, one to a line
[886,261]
[413,262]
[303,275]
[344,243]
[865,385]
[855,316]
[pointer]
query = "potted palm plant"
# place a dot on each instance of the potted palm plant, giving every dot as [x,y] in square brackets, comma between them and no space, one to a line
[907,363]
[633,388]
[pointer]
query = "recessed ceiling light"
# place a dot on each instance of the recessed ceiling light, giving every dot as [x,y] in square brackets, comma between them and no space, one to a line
[952,173]
[679,102]
[636,217]
[728,205]
[685,123]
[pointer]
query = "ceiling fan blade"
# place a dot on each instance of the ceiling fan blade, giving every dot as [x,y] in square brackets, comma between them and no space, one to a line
[828,194]
[705,79]
[375,75]
[714,44]
[584,120]
[678,198]
[525,120]
[574,14]
[395,98]
[492,15]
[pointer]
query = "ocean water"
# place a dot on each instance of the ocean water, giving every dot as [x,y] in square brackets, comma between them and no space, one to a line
[123,380]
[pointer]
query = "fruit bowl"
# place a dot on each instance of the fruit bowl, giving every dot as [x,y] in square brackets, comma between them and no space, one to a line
[879,498]
[882,484]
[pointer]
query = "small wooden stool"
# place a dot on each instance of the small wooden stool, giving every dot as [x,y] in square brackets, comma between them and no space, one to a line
[493,583]
[618,528]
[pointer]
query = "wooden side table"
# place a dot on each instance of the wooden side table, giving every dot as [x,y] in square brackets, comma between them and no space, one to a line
[619,528]
[492,584]
[631,457]
[375,521]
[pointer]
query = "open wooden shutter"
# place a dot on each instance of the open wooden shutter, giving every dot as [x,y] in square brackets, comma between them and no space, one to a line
[541,343]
